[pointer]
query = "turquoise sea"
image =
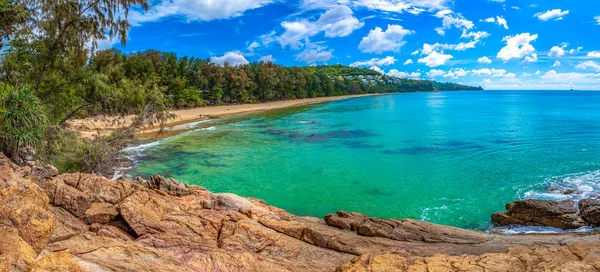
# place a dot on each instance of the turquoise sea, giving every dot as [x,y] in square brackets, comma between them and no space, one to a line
[446,157]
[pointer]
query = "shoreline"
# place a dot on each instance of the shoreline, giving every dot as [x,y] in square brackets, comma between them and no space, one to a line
[104,125]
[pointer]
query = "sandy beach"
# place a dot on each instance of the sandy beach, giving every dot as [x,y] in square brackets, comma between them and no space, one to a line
[102,125]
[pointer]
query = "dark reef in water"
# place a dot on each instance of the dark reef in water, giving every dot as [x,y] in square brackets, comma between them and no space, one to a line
[319,137]
[361,145]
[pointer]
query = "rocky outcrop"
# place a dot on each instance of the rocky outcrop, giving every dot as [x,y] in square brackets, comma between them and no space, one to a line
[533,212]
[582,257]
[590,211]
[82,222]
[565,214]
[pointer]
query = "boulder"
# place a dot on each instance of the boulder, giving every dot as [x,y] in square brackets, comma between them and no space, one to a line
[169,186]
[44,172]
[101,213]
[407,230]
[590,211]
[533,212]
[578,257]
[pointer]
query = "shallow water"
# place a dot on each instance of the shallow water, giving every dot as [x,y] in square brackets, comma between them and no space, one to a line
[449,157]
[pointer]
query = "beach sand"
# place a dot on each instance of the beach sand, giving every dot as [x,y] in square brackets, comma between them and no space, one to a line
[103,125]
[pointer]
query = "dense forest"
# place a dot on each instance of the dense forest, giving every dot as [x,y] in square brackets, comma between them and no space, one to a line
[51,72]
[192,82]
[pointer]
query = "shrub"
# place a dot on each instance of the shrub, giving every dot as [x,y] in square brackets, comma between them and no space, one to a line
[23,120]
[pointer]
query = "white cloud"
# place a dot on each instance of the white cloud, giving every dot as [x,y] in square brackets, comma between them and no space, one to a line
[499,20]
[552,80]
[105,44]
[400,6]
[338,22]
[556,14]
[416,52]
[449,21]
[554,76]
[435,59]
[589,65]
[510,75]
[475,35]
[377,69]
[232,58]
[456,73]
[538,73]
[396,73]
[435,73]
[594,54]
[267,58]
[195,10]
[489,72]
[484,60]
[428,48]
[408,61]
[375,62]
[597,18]
[517,46]
[379,41]
[335,22]
[530,59]
[253,46]
[556,64]
[312,56]
[556,52]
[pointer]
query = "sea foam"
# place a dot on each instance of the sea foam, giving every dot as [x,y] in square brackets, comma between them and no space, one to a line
[573,186]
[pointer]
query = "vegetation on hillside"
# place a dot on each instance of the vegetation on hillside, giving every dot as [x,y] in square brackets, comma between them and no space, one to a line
[51,69]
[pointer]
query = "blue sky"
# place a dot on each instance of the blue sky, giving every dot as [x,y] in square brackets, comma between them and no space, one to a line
[498,44]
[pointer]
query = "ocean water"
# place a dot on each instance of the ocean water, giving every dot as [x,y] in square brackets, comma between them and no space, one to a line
[451,158]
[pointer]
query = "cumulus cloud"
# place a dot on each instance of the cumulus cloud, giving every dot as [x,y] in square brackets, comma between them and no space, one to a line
[377,69]
[379,41]
[589,65]
[105,43]
[597,18]
[312,56]
[433,73]
[556,14]
[556,64]
[253,46]
[435,59]
[335,22]
[557,51]
[475,35]
[484,60]
[532,58]
[375,62]
[456,73]
[408,61]
[594,54]
[195,10]
[401,6]
[517,46]
[450,20]
[489,72]
[338,22]
[398,74]
[231,58]
[267,58]
[499,20]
